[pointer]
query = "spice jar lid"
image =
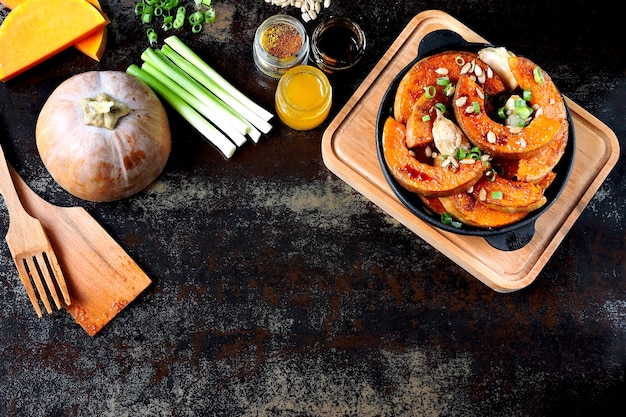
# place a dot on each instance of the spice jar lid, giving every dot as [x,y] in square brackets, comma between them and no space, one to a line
[280,43]
[337,44]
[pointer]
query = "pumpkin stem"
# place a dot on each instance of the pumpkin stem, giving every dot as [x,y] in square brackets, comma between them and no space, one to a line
[103,111]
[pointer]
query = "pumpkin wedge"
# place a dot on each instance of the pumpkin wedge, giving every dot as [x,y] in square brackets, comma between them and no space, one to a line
[419,86]
[93,45]
[472,212]
[479,127]
[509,196]
[419,177]
[37,29]
[536,167]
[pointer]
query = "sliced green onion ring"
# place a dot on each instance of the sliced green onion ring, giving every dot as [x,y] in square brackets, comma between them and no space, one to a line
[430,91]
[196,18]
[443,80]
[538,75]
[209,15]
[152,36]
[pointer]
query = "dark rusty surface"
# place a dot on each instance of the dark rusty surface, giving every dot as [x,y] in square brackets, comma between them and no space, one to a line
[281,291]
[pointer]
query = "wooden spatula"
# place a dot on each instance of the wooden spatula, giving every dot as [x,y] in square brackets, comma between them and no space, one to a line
[101,277]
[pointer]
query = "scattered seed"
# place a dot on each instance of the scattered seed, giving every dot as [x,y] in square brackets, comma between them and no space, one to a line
[482,194]
[461,101]
[442,71]
[309,9]
[491,137]
[466,68]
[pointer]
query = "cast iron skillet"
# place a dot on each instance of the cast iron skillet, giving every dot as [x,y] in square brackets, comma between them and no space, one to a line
[511,237]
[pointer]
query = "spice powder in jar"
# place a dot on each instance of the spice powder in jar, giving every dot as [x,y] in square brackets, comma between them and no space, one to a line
[281,40]
[280,43]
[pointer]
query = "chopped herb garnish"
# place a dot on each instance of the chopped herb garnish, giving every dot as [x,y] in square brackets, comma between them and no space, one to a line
[446,218]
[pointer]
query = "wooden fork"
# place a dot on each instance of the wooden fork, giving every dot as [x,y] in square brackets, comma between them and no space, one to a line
[31,250]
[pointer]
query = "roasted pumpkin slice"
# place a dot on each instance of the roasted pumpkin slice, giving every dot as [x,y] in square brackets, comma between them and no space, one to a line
[37,29]
[536,167]
[509,196]
[493,137]
[419,126]
[543,91]
[425,84]
[420,177]
[470,211]
[433,204]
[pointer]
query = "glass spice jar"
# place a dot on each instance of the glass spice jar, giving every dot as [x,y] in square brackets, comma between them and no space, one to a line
[337,44]
[280,43]
[303,97]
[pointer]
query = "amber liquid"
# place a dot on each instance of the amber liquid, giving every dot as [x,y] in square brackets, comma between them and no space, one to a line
[338,45]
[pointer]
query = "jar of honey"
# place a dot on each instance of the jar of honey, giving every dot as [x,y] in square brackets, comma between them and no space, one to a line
[280,43]
[303,97]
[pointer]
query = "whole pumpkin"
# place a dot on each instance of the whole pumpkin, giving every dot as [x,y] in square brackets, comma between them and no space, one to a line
[103,135]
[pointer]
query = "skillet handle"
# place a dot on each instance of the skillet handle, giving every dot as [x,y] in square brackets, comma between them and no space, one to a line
[513,239]
[438,40]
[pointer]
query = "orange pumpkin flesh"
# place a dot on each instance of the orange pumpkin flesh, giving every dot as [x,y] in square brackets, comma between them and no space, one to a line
[92,45]
[477,126]
[425,73]
[544,94]
[536,167]
[58,27]
[419,177]
[470,211]
[96,163]
[514,196]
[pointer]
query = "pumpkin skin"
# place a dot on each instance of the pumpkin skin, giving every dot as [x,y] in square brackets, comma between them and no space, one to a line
[96,163]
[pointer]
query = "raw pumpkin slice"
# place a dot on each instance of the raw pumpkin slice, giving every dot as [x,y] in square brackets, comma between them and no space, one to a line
[37,29]
[11,4]
[93,45]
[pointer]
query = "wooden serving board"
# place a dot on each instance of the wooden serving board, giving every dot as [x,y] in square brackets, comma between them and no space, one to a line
[349,151]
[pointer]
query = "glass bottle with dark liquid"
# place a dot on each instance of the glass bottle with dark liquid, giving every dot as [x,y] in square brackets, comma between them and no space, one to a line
[337,44]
